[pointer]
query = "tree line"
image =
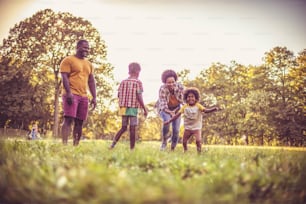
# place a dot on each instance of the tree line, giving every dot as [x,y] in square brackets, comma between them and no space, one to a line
[261,105]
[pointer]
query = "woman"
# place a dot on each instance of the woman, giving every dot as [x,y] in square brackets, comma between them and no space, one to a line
[169,102]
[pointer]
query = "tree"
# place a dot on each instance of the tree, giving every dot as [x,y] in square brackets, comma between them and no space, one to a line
[42,41]
[215,86]
[297,87]
[150,127]
[21,99]
[280,62]
[255,126]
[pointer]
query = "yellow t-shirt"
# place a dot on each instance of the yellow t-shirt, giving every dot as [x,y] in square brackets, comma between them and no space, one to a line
[192,116]
[79,71]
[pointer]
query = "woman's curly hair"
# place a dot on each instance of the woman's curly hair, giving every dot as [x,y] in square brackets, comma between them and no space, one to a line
[192,90]
[168,73]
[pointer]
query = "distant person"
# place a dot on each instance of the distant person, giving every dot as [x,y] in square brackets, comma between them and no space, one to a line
[130,99]
[169,101]
[192,111]
[77,76]
[34,134]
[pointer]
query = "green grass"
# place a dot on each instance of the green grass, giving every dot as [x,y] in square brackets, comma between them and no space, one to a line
[48,172]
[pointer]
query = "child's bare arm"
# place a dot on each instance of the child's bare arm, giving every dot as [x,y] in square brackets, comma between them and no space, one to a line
[140,100]
[209,110]
[173,118]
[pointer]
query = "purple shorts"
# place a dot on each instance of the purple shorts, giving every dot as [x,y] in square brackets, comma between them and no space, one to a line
[78,109]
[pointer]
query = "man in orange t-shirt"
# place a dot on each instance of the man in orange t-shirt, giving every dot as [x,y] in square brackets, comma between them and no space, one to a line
[77,77]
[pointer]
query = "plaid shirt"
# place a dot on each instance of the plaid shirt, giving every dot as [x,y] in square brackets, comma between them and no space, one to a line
[127,93]
[164,95]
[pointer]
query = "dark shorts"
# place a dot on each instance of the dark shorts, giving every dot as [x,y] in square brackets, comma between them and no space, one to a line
[78,109]
[133,120]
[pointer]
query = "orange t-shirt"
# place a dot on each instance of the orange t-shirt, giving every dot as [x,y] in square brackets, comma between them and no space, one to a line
[79,71]
[173,102]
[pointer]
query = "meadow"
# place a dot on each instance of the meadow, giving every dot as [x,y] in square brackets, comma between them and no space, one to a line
[45,171]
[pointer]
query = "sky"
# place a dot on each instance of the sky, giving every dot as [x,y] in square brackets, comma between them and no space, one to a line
[178,34]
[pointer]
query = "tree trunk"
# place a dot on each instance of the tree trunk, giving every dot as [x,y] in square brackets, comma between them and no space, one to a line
[262,138]
[56,112]
[247,140]
[3,119]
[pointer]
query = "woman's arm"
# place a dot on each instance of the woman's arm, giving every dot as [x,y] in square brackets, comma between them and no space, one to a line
[162,98]
[173,118]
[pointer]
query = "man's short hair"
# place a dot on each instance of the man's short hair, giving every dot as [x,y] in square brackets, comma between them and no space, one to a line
[80,42]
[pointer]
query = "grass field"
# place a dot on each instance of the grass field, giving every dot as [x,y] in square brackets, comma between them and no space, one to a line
[45,171]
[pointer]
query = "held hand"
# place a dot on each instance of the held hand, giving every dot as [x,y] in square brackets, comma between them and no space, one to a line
[176,110]
[166,122]
[172,113]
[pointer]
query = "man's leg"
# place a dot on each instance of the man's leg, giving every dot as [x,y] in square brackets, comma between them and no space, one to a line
[81,115]
[70,111]
[77,131]
[66,129]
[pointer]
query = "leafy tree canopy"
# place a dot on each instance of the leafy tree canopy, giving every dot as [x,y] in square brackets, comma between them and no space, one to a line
[33,51]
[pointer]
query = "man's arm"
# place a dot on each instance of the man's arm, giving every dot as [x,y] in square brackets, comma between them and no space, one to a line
[66,85]
[92,89]
[66,82]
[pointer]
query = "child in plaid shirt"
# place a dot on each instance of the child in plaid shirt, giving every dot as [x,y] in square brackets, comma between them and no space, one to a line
[130,99]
